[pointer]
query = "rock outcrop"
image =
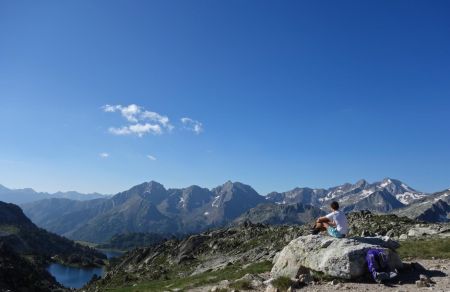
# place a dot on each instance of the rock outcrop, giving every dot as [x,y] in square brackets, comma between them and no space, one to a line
[333,257]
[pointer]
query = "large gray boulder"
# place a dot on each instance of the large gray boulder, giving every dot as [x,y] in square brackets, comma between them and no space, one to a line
[341,258]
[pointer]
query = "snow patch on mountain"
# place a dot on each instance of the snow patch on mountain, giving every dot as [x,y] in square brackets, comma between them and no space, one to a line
[407,197]
[385,183]
[216,202]
[182,202]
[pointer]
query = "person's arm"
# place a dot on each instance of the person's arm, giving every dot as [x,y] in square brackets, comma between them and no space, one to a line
[327,219]
[323,219]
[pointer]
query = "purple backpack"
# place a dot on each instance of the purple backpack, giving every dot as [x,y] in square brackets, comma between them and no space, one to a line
[377,262]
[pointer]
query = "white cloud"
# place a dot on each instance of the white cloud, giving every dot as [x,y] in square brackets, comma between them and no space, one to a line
[192,125]
[129,112]
[103,155]
[137,129]
[155,117]
[151,157]
[109,108]
[140,121]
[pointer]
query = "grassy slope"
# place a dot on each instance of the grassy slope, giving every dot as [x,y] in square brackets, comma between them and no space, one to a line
[229,273]
[438,248]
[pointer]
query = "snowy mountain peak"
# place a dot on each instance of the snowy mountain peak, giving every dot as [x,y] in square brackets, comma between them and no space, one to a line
[348,194]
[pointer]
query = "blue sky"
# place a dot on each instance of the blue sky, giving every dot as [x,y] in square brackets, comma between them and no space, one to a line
[280,93]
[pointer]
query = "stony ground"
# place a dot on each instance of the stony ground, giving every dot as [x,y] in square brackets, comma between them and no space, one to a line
[437,270]
[207,259]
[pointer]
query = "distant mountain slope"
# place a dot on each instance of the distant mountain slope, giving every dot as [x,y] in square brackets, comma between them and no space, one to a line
[380,201]
[433,208]
[129,241]
[21,196]
[63,215]
[25,238]
[147,207]
[275,214]
[298,195]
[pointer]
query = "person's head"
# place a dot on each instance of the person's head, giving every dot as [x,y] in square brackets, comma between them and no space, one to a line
[334,205]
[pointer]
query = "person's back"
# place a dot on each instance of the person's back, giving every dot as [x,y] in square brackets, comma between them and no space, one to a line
[340,221]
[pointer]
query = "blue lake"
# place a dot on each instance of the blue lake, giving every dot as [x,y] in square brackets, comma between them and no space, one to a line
[72,277]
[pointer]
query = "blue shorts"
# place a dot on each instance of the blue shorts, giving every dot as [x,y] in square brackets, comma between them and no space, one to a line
[332,231]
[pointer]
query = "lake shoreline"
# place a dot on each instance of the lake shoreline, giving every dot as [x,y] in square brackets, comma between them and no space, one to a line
[76,276]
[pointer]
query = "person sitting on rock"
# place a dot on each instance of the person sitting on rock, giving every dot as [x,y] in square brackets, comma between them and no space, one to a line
[334,223]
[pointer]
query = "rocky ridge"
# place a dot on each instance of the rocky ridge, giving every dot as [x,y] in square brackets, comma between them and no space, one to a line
[247,244]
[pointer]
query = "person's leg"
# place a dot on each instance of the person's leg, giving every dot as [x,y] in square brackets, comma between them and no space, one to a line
[320,226]
[322,223]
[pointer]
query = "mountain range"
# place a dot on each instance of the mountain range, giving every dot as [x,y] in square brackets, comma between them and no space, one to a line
[26,195]
[361,195]
[147,207]
[150,207]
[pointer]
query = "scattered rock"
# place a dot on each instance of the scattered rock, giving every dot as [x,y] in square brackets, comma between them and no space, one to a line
[424,281]
[421,284]
[224,283]
[271,288]
[390,233]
